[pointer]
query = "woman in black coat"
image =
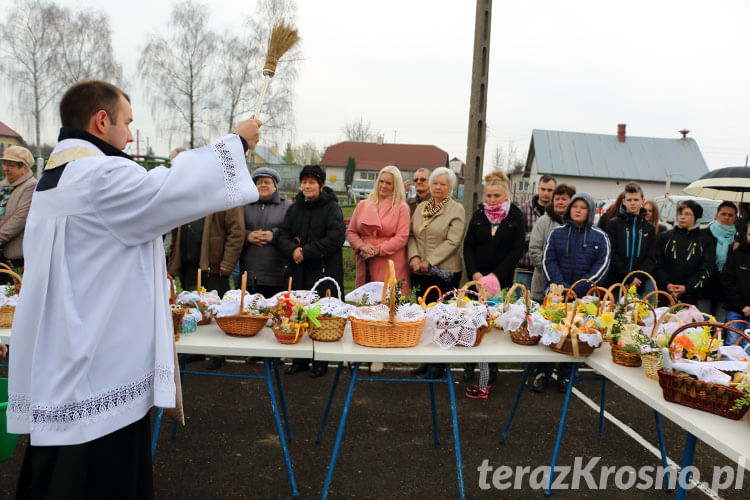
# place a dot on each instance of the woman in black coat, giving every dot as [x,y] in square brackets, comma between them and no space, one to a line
[311,238]
[494,243]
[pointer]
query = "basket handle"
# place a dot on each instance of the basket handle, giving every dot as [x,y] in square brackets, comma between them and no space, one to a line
[648,304]
[172,296]
[509,294]
[737,321]
[480,287]
[198,282]
[13,274]
[666,315]
[423,299]
[638,271]
[618,286]
[603,298]
[461,291]
[658,293]
[243,287]
[389,282]
[321,280]
[712,324]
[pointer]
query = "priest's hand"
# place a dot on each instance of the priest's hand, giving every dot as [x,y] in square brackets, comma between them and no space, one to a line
[249,130]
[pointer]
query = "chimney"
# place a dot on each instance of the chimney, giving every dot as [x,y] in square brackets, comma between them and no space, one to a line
[621,132]
[380,140]
[684,133]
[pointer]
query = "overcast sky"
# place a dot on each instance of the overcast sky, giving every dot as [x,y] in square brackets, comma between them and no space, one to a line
[579,65]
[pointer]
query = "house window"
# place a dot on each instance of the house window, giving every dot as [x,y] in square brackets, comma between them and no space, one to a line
[523,186]
[370,176]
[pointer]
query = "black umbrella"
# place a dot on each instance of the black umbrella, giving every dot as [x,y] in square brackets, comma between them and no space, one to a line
[729,184]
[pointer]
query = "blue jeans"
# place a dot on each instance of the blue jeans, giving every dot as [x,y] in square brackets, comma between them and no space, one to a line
[731,337]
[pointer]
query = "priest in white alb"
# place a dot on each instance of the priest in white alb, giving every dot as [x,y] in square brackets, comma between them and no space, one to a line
[92,345]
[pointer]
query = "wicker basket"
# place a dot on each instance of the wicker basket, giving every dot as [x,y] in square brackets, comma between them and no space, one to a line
[520,336]
[389,333]
[625,358]
[651,365]
[481,296]
[570,344]
[242,325]
[7,312]
[687,391]
[283,335]
[331,329]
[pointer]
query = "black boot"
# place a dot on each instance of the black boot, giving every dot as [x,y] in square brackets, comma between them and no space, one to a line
[469,371]
[319,369]
[436,370]
[298,365]
[420,369]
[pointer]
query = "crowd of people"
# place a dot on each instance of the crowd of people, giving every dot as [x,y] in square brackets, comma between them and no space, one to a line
[97,213]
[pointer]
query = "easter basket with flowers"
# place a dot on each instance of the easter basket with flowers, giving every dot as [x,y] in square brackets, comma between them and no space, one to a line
[461,316]
[8,298]
[576,332]
[385,325]
[238,319]
[523,321]
[700,373]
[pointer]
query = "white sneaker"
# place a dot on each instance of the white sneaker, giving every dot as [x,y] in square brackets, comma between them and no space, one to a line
[376,367]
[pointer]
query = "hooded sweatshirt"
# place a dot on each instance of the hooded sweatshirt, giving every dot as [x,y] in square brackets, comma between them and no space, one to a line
[573,253]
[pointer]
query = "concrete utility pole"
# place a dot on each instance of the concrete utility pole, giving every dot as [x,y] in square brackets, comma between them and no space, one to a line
[477,107]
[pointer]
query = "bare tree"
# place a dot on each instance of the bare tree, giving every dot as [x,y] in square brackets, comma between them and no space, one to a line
[177,70]
[239,56]
[506,159]
[30,42]
[498,159]
[359,131]
[85,44]
[250,57]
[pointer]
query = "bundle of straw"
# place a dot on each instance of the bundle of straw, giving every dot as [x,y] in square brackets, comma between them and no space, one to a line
[283,38]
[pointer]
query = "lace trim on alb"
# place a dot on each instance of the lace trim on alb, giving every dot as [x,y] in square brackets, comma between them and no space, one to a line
[101,405]
[164,374]
[230,173]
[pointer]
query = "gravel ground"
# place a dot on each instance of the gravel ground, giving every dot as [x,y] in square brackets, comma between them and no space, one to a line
[229,447]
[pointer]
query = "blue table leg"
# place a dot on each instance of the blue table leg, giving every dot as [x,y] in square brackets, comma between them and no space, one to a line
[279,428]
[155,436]
[324,420]
[340,433]
[662,447]
[560,428]
[687,461]
[456,440]
[526,372]
[601,406]
[281,399]
[435,434]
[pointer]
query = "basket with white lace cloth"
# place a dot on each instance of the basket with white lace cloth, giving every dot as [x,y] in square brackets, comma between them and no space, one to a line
[385,325]
[575,334]
[328,316]
[235,318]
[8,299]
[303,297]
[522,320]
[460,321]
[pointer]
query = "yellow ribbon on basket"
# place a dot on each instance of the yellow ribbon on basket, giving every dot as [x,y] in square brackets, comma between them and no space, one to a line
[299,327]
[573,331]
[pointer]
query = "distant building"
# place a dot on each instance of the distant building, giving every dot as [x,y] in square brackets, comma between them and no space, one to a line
[263,155]
[9,137]
[601,164]
[370,157]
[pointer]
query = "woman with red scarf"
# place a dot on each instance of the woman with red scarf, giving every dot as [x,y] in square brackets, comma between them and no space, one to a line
[494,244]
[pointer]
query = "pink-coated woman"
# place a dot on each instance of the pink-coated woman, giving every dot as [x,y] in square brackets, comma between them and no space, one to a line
[379,230]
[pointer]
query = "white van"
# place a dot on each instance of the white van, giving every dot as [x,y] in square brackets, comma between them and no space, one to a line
[668,208]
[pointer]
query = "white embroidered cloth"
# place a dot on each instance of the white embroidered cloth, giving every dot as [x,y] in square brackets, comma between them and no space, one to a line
[380,312]
[456,325]
[333,307]
[373,290]
[710,371]
[552,336]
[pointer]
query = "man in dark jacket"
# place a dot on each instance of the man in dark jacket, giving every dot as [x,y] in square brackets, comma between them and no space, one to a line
[311,237]
[577,249]
[633,241]
[532,210]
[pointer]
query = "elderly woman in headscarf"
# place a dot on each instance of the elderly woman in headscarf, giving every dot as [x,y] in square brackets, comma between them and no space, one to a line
[379,229]
[437,231]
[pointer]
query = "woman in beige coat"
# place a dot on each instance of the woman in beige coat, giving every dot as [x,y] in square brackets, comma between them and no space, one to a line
[435,238]
[16,191]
